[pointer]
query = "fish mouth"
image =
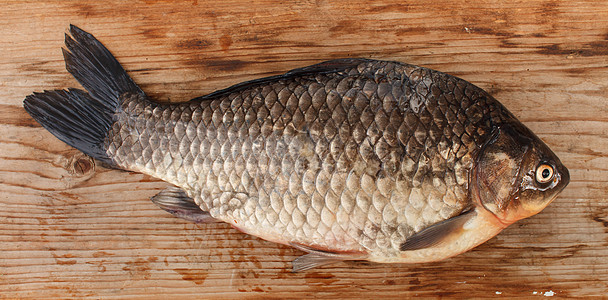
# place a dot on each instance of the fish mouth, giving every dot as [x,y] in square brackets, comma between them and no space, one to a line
[565,176]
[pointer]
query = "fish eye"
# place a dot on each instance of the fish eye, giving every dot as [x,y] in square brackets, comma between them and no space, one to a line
[544,173]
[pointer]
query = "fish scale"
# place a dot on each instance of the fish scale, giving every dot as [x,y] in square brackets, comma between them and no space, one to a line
[347,159]
[260,141]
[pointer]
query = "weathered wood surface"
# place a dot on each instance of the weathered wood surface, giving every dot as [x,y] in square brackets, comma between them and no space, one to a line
[72,229]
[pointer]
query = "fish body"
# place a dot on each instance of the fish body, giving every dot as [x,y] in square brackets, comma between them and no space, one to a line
[347,159]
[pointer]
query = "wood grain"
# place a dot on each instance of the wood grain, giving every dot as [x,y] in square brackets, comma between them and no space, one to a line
[70,228]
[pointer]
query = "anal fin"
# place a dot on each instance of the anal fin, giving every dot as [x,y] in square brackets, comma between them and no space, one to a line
[175,201]
[316,258]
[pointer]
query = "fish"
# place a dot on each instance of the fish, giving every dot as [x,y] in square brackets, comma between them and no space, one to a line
[348,159]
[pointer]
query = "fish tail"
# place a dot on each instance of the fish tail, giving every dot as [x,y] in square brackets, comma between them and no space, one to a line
[78,118]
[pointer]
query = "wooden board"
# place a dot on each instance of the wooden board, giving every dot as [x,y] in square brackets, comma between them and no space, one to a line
[69,228]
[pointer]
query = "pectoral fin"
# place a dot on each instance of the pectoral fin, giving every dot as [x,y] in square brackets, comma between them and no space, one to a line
[437,233]
[316,258]
[175,201]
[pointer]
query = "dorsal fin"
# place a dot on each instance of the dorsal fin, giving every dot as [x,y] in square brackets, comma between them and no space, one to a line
[329,66]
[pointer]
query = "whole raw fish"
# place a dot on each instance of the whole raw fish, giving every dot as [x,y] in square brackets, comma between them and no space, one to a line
[349,159]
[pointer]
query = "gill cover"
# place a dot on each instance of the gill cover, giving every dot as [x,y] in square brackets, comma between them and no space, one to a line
[499,169]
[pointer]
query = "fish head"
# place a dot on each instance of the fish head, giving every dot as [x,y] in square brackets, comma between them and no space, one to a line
[516,174]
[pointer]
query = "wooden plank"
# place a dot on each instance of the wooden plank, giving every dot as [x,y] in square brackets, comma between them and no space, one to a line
[72,229]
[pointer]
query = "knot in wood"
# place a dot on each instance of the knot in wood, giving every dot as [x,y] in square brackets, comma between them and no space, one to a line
[80,165]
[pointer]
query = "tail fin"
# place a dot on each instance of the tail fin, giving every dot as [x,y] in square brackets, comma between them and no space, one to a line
[81,119]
